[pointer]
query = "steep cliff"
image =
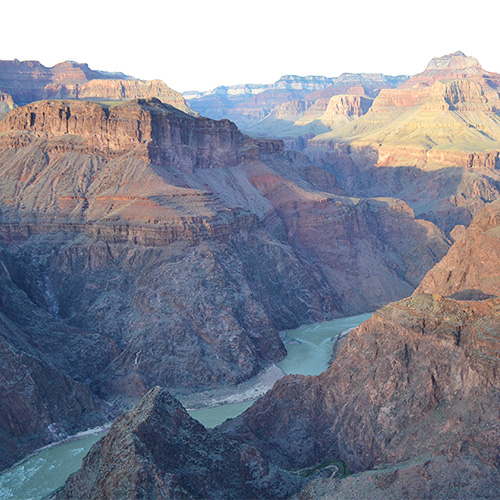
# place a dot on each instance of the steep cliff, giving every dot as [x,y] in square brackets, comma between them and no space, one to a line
[410,404]
[117,90]
[6,104]
[412,392]
[30,81]
[471,269]
[180,247]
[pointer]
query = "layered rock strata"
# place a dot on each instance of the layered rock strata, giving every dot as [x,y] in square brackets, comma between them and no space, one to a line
[437,137]
[30,81]
[272,110]
[175,248]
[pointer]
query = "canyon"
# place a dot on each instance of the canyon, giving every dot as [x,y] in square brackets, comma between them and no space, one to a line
[171,249]
[410,403]
[431,140]
[412,398]
[149,254]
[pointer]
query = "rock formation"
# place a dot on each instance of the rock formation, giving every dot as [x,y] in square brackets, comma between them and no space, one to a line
[413,393]
[30,81]
[271,110]
[437,137]
[449,109]
[174,248]
[410,404]
[471,269]
[164,453]
[117,90]
[6,104]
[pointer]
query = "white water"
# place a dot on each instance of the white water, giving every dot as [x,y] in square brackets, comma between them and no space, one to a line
[309,348]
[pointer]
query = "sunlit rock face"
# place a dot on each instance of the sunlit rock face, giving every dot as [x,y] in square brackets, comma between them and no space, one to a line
[283,109]
[433,141]
[415,388]
[29,81]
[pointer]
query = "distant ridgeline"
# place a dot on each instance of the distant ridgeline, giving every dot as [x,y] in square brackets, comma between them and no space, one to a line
[22,82]
[447,115]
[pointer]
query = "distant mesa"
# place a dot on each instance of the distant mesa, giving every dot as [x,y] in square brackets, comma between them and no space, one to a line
[457,60]
[30,81]
[256,108]
[447,115]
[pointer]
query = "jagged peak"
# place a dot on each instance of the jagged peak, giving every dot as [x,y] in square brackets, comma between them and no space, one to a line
[457,60]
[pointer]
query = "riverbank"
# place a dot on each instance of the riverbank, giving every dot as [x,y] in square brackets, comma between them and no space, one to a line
[309,350]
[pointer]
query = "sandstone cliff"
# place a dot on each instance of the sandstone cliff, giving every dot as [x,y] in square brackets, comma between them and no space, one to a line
[30,81]
[116,90]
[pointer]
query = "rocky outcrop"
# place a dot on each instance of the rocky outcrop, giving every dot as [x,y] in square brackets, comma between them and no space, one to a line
[30,81]
[445,110]
[117,90]
[321,227]
[25,81]
[412,392]
[164,453]
[152,130]
[425,478]
[345,106]
[6,104]
[450,66]
[471,269]
[406,383]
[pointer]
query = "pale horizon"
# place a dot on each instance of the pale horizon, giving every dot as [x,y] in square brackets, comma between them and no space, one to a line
[209,44]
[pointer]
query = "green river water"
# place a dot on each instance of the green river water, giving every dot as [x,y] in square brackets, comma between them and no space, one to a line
[309,348]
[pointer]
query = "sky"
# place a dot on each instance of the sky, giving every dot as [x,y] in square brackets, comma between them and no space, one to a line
[198,45]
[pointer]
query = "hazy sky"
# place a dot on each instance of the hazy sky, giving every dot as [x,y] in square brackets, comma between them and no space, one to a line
[198,45]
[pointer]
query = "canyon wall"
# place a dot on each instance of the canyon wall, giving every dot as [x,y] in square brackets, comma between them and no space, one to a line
[415,383]
[175,249]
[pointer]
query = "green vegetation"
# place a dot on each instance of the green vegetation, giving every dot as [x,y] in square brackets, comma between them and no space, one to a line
[338,468]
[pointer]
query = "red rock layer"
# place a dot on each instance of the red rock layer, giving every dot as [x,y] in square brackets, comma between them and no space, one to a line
[30,81]
[471,269]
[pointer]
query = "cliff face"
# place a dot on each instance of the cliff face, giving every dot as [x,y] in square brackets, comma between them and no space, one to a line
[178,247]
[167,454]
[471,269]
[415,383]
[116,90]
[45,397]
[265,110]
[6,104]
[30,81]
[416,380]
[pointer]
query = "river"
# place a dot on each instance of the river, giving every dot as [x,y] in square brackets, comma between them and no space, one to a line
[309,348]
